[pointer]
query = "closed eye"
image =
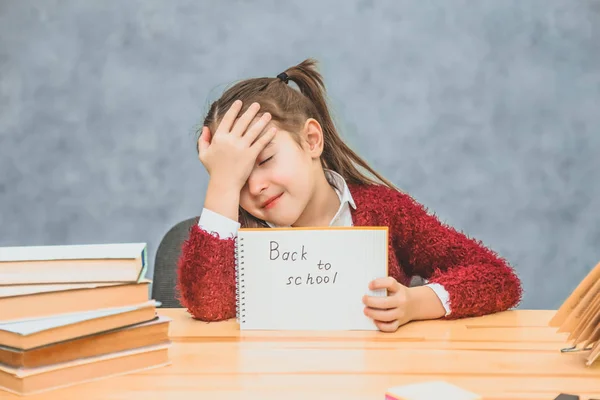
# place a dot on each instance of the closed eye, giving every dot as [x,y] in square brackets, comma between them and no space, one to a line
[261,163]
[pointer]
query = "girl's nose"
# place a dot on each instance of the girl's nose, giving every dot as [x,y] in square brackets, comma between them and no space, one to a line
[256,184]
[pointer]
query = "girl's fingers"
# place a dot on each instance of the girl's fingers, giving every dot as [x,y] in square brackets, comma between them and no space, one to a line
[388,326]
[204,140]
[381,315]
[230,116]
[387,282]
[257,128]
[244,121]
[263,140]
[383,302]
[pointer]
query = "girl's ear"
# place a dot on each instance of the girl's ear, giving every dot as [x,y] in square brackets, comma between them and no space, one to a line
[313,136]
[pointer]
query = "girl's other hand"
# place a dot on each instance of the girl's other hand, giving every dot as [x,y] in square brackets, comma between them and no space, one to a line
[229,153]
[392,311]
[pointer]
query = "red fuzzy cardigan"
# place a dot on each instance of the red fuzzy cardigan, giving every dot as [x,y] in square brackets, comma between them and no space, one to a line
[477,280]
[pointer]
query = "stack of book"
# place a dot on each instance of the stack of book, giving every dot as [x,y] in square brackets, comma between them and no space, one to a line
[72,314]
[579,315]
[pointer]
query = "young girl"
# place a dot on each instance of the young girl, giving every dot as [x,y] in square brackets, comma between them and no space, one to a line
[275,159]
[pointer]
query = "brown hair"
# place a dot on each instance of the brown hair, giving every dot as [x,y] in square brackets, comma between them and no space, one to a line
[289,109]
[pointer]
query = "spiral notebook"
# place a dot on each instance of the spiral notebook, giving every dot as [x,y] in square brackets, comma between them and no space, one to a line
[308,278]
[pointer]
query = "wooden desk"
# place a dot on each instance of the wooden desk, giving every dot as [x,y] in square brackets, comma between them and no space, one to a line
[511,355]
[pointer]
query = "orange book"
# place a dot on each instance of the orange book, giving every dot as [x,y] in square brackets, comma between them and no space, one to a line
[579,315]
[29,334]
[16,306]
[573,301]
[130,337]
[83,263]
[27,381]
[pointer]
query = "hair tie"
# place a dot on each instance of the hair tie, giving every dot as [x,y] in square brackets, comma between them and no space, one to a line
[284,77]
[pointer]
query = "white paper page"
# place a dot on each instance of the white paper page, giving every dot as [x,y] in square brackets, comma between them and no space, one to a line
[27,327]
[320,286]
[22,290]
[72,252]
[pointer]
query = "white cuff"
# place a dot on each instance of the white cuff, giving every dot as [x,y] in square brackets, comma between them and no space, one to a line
[442,294]
[213,222]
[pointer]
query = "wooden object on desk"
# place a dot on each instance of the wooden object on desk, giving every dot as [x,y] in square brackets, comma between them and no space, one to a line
[510,355]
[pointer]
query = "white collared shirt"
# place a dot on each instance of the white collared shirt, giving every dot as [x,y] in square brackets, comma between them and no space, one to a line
[225,227]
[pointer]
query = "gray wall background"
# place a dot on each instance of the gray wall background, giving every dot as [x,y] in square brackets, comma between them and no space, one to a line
[487,112]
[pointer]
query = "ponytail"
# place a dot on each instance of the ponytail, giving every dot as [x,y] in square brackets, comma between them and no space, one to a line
[337,155]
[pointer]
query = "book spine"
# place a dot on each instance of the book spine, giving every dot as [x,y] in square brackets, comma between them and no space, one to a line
[240,285]
[144,261]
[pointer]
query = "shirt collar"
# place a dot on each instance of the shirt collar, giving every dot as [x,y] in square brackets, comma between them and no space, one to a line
[341,189]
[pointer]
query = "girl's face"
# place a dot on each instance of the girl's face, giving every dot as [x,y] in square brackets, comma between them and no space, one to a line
[282,181]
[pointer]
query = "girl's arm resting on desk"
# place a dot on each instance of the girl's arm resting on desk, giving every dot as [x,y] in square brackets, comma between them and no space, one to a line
[477,280]
[206,268]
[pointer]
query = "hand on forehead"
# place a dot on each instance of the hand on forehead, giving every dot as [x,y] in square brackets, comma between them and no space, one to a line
[270,125]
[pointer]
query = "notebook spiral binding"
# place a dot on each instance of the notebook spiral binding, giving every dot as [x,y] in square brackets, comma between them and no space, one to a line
[240,284]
